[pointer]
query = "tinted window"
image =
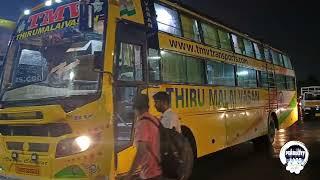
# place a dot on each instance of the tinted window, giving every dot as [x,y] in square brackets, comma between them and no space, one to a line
[182,69]
[263,79]
[291,84]
[276,58]
[224,40]
[130,63]
[220,74]
[210,35]
[173,67]
[154,65]
[248,48]
[190,28]
[258,49]
[195,70]
[246,77]
[168,20]
[267,55]
[281,59]
[281,82]
[238,44]
[287,62]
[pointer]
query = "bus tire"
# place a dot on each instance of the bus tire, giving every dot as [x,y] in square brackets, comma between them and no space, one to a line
[188,134]
[266,141]
[192,153]
[189,168]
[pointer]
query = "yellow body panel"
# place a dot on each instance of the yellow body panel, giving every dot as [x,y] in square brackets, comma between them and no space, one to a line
[81,121]
[283,71]
[287,112]
[218,116]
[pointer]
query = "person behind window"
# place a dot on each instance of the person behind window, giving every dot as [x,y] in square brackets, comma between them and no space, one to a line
[169,119]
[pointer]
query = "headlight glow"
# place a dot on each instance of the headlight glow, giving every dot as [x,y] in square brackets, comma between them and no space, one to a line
[70,146]
[83,142]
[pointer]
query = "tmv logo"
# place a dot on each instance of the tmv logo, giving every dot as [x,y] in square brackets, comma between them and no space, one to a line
[68,11]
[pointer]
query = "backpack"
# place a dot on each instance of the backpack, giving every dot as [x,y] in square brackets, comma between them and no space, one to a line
[175,153]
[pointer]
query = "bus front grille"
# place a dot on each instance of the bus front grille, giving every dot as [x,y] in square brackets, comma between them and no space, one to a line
[32,147]
[47,130]
[16,146]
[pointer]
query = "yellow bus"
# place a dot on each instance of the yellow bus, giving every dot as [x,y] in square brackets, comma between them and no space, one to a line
[74,67]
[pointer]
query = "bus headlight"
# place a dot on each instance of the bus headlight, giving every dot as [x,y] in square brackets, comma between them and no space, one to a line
[72,146]
[83,142]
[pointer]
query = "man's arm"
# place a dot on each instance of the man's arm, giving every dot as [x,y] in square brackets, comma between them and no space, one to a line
[142,149]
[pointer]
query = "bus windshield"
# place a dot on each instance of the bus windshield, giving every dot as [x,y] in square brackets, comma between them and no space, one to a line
[312,97]
[50,56]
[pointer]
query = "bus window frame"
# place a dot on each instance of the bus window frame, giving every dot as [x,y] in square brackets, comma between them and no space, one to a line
[268,60]
[251,44]
[184,83]
[149,81]
[178,16]
[294,83]
[260,84]
[230,42]
[248,68]
[181,13]
[204,61]
[217,29]
[262,54]
[216,61]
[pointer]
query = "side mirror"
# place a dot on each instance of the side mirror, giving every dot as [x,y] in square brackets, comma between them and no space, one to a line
[98,61]
[86,19]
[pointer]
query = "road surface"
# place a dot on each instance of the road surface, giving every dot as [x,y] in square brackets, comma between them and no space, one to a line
[243,162]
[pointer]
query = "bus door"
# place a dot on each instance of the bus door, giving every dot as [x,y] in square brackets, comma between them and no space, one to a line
[130,76]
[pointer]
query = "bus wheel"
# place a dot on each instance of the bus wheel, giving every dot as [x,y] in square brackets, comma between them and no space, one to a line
[266,141]
[187,133]
[191,152]
[189,159]
[271,130]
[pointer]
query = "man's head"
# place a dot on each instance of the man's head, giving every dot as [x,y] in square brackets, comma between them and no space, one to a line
[162,101]
[141,104]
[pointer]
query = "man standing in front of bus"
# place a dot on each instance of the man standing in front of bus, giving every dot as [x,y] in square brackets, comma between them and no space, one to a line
[169,119]
[147,142]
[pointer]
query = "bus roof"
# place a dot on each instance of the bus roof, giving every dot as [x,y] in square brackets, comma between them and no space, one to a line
[204,16]
[221,24]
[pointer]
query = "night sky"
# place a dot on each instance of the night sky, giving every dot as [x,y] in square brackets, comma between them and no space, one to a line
[291,26]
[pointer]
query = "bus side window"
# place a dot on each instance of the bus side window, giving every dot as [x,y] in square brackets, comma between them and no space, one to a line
[130,63]
[154,65]
[263,79]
